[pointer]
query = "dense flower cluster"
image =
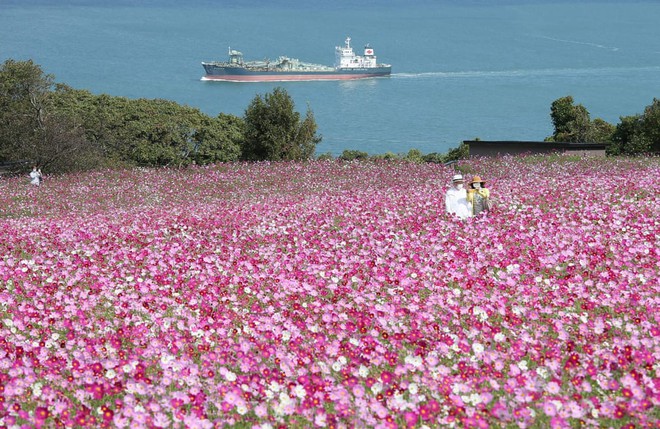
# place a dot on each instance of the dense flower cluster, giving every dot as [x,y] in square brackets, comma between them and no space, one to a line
[331,294]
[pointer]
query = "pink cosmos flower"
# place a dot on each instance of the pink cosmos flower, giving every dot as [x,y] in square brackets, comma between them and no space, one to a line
[549,408]
[242,285]
[358,390]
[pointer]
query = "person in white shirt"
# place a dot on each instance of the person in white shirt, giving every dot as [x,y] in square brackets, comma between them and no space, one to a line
[35,176]
[456,198]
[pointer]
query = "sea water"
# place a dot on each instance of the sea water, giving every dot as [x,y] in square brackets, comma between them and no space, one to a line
[460,69]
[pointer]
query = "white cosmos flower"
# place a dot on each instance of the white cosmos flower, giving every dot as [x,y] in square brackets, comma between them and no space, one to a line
[542,372]
[299,391]
[415,361]
[36,389]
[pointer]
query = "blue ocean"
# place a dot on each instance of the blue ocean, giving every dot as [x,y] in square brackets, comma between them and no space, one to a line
[460,69]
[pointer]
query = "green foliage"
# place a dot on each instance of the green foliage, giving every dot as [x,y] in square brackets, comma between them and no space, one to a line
[434,157]
[219,139]
[98,116]
[639,134]
[651,124]
[572,124]
[23,89]
[414,155]
[601,131]
[325,157]
[158,132]
[151,132]
[458,153]
[32,130]
[65,129]
[353,155]
[388,156]
[627,138]
[275,131]
[568,119]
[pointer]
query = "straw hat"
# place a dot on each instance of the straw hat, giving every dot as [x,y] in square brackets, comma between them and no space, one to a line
[457,178]
[476,179]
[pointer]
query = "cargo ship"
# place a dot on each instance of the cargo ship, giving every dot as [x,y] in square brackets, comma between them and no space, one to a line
[347,66]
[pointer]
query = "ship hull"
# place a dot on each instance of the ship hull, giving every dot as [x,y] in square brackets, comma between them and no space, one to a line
[242,74]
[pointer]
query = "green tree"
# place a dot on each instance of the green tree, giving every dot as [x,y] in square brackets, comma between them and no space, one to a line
[457,153]
[572,123]
[601,131]
[650,124]
[218,139]
[638,134]
[23,91]
[434,157]
[161,132]
[151,132]
[387,156]
[275,131]
[91,112]
[352,155]
[31,130]
[415,156]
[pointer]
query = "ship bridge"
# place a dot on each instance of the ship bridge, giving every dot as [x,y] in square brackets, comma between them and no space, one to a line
[346,58]
[235,57]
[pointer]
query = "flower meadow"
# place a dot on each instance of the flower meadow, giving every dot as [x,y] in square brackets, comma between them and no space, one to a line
[332,294]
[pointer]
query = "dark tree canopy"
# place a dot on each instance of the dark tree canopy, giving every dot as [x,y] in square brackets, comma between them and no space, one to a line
[65,129]
[572,123]
[638,134]
[274,130]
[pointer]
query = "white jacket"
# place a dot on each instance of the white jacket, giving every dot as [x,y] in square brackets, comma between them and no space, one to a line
[456,202]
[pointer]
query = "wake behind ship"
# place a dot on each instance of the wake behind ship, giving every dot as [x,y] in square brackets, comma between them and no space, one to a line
[347,66]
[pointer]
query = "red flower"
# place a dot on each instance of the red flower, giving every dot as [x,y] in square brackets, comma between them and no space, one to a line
[41,413]
[386,377]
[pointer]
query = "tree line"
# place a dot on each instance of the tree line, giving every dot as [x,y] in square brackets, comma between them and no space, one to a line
[633,135]
[64,129]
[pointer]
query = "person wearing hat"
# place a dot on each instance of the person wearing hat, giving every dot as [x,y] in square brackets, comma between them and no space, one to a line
[456,201]
[478,196]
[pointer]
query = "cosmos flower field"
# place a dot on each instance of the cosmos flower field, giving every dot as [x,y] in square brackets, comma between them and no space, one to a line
[331,294]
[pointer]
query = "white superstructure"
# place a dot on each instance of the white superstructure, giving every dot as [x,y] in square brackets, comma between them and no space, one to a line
[346,58]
